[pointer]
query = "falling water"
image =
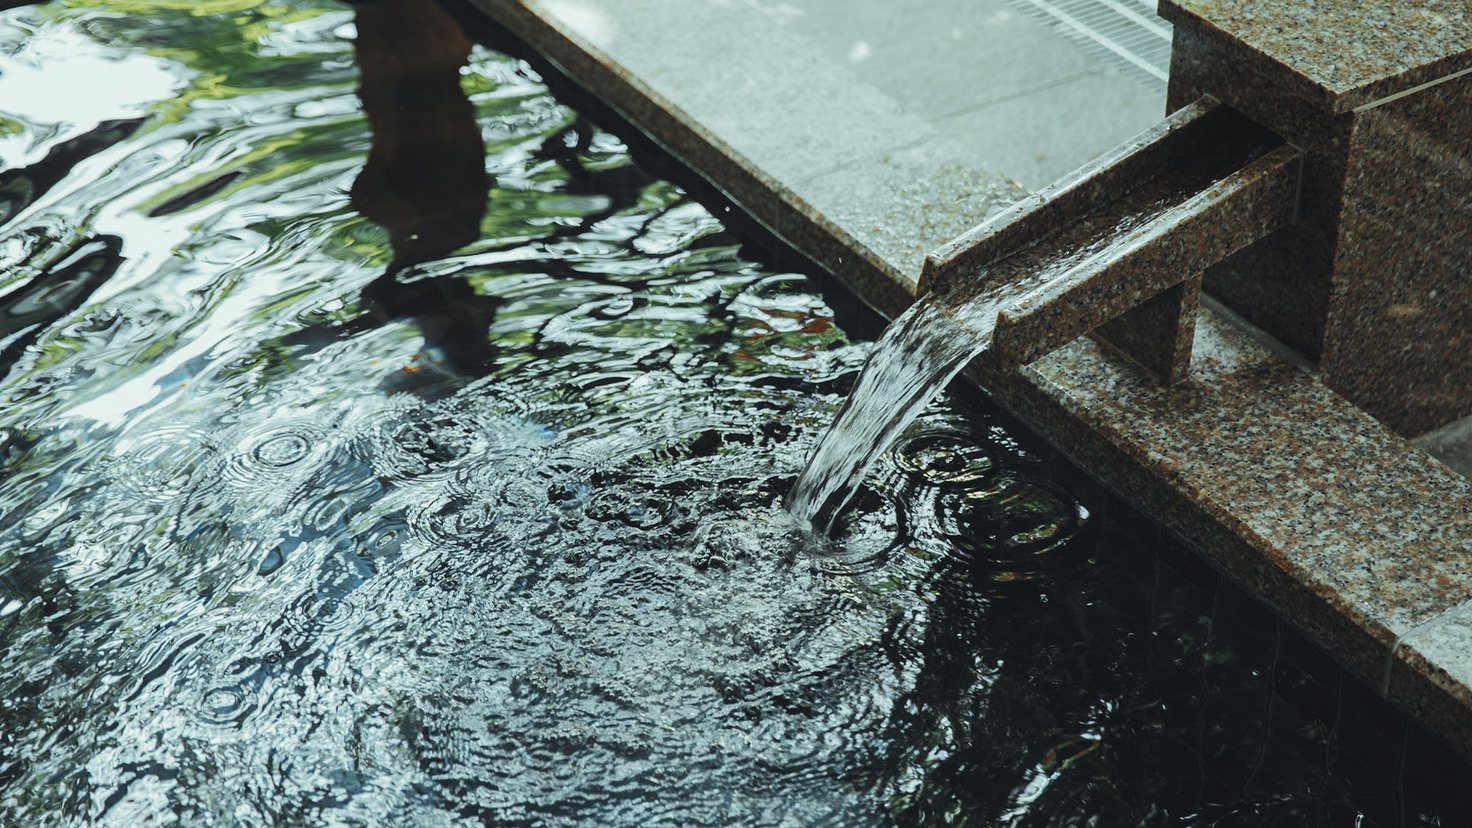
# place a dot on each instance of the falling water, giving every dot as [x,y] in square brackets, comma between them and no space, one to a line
[932,341]
[928,344]
[913,361]
[915,358]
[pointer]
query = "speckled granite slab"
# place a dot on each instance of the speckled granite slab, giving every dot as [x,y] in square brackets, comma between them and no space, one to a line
[1356,538]
[1338,54]
[1372,281]
[856,181]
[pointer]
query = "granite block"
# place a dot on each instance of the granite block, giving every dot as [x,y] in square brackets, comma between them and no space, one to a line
[1159,332]
[1202,64]
[1149,217]
[856,183]
[1398,340]
[1020,134]
[1371,280]
[1281,284]
[1135,469]
[1451,444]
[1196,125]
[1432,670]
[1357,539]
[966,42]
[1209,221]
[958,68]
[886,201]
[830,245]
[1338,54]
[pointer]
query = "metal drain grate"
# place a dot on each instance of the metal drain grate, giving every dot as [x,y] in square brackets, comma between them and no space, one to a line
[1126,33]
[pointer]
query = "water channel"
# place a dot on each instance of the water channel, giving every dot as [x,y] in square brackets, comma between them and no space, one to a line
[308,516]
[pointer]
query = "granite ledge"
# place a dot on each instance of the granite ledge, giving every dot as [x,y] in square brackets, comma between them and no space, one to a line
[824,182]
[1431,674]
[1350,533]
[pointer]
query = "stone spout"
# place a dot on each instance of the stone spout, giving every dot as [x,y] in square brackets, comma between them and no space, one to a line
[1119,247]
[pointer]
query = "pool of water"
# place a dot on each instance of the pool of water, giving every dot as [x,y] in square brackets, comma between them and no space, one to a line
[305,519]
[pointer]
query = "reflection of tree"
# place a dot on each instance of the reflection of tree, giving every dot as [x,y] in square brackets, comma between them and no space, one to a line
[425,179]
[72,620]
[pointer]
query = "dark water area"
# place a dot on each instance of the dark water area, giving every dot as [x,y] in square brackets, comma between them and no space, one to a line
[423,466]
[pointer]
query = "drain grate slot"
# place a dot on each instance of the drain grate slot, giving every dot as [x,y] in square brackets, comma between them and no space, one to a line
[1126,33]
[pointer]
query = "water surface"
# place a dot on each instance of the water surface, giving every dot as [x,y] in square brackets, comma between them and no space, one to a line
[299,527]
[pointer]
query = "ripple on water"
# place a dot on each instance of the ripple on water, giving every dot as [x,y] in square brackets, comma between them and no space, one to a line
[639,509]
[739,542]
[290,471]
[281,449]
[402,620]
[562,592]
[278,452]
[436,441]
[225,706]
[948,459]
[1015,531]
[162,464]
[585,697]
[457,518]
[420,448]
[865,534]
[310,619]
[488,507]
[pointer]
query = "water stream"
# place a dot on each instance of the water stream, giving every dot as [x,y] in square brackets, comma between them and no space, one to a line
[918,355]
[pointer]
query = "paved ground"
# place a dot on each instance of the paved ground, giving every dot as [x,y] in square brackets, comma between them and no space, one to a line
[1027,100]
[881,130]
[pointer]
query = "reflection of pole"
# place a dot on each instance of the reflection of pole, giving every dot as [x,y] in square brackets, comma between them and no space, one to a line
[425,179]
